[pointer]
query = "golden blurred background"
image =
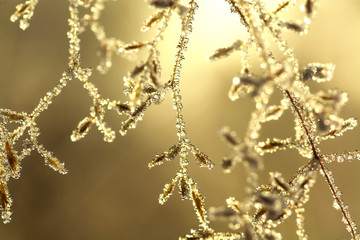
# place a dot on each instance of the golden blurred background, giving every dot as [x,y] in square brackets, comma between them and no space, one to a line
[109,193]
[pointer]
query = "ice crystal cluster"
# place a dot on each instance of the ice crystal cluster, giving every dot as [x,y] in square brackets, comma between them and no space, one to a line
[266,206]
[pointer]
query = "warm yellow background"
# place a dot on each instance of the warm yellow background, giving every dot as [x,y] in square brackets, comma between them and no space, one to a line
[109,193]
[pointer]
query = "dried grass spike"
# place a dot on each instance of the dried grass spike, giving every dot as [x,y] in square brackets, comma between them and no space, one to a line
[246,84]
[181,10]
[12,159]
[184,188]
[282,6]
[50,160]
[173,152]
[148,89]
[329,103]
[229,137]
[274,204]
[234,204]
[253,161]
[271,145]
[202,159]
[82,129]
[126,125]
[12,115]
[139,110]
[198,203]
[155,70]
[158,160]
[5,202]
[20,9]
[274,112]
[318,72]
[309,7]
[54,163]
[346,125]
[152,20]
[122,108]
[168,190]
[221,213]
[26,10]
[2,169]
[279,182]
[138,69]
[168,155]
[296,26]
[227,164]
[225,52]
[132,47]
[161,3]
[260,212]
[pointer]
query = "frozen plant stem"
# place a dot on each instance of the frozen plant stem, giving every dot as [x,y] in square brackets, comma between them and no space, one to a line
[183,140]
[265,207]
[316,151]
[287,76]
[256,31]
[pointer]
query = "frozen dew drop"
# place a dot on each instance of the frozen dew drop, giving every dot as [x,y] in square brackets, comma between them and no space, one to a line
[24,24]
[236,80]
[340,158]
[336,204]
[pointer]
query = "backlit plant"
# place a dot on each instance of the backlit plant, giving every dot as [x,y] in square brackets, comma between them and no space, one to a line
[266,206]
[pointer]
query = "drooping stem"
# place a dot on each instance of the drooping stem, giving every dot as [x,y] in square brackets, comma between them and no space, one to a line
[329,179]
[173,83]
[175,79]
